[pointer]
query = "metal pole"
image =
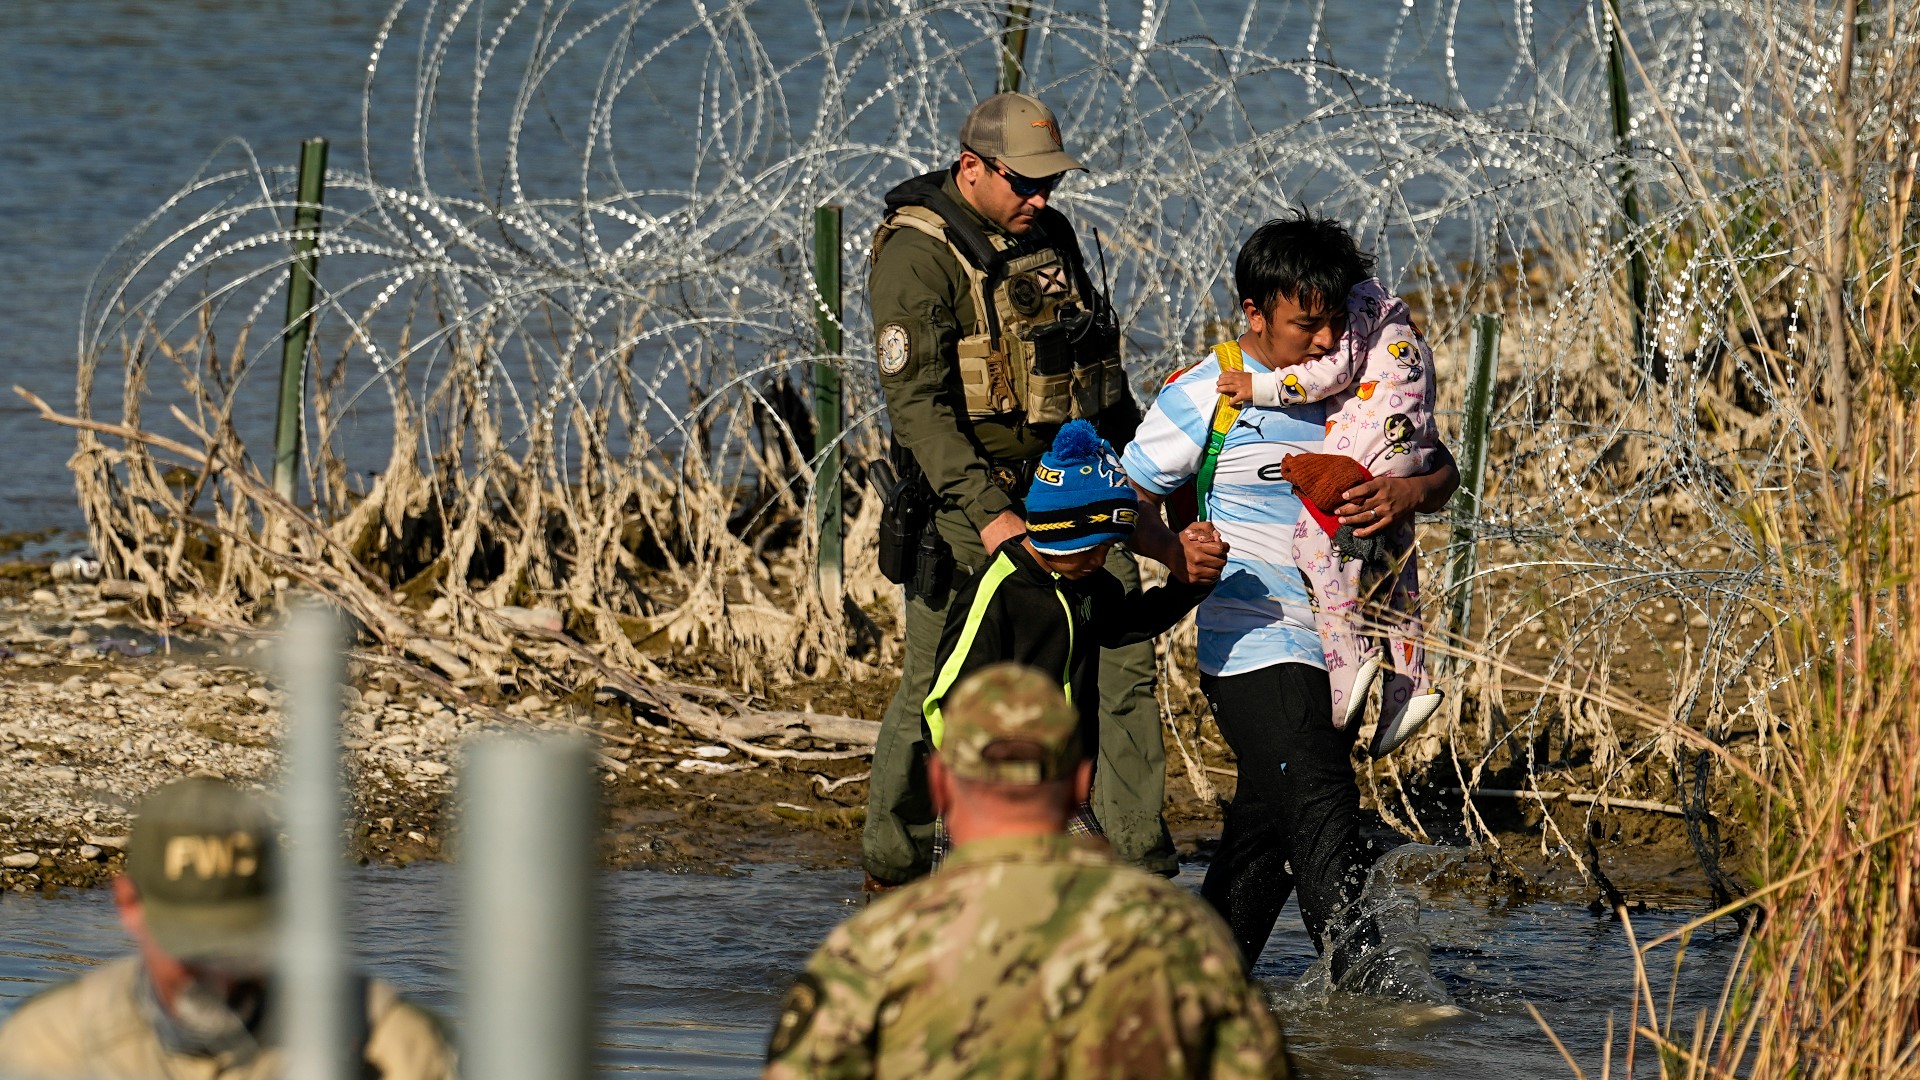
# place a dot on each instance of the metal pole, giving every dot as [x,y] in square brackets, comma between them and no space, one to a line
[1013,47]
[827,407]
[527,808]
[293,349]
[315,985]
[1474,427]
[1649,358]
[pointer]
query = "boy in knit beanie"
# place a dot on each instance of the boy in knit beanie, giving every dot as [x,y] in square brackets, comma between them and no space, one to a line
[1046,600]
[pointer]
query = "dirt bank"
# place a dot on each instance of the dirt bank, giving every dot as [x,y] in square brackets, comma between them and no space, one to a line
[96,709]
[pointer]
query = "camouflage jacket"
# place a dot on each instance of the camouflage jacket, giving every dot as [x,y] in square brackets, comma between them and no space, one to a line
[1028,956]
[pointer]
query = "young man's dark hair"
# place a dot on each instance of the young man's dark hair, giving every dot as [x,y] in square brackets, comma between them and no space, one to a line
[1307,258]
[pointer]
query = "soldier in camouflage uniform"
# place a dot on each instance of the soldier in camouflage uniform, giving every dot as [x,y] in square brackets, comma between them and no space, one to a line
[1028,953]
[991,334]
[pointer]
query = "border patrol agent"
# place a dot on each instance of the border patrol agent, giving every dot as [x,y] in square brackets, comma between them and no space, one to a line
[195,1003]
[991,335]
[1029,953]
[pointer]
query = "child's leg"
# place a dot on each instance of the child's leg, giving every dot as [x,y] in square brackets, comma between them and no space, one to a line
[1407,698]
[1406,634]
[1353,658]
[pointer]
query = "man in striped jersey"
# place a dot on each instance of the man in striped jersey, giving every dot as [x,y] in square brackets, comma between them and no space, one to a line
[1294,819]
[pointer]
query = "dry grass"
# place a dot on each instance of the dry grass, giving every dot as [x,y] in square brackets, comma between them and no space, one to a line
[1828,980]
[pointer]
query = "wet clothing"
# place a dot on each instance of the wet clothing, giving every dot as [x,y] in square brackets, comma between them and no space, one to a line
[1295,814]
[102,1027]
[923,304]
[1028,956]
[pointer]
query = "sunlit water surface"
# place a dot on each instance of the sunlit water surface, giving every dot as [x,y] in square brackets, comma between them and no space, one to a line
[693,968]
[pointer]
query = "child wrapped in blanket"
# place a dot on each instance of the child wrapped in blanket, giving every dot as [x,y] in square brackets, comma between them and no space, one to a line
[1377,383]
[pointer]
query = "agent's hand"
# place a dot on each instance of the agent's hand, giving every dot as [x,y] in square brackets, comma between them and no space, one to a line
[1237,385]
[1202,555]
[1001,529]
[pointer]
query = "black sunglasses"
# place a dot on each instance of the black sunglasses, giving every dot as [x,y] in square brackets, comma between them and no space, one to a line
[1025,187]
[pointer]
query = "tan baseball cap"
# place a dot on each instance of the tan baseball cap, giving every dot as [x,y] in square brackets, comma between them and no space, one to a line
[1020,133]
[1011,724]
[203,854]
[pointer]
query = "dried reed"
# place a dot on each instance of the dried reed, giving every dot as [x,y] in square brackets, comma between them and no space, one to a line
[1828,984]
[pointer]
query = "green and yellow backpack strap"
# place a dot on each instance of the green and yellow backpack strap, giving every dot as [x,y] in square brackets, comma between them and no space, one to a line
[1188,503]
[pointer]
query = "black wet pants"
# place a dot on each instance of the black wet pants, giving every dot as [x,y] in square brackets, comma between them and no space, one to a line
[1295,816]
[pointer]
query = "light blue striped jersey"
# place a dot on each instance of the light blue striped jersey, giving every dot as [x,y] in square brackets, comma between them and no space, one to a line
[1261,613]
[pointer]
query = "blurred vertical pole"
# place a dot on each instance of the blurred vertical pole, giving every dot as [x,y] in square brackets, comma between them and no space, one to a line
[527,815]
[1013,47]
[315,985]
[293,348]
[827,407]
[1648,357]
[1474,432]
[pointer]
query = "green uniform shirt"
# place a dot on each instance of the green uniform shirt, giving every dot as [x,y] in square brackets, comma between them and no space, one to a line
[918,286]
[1028,956]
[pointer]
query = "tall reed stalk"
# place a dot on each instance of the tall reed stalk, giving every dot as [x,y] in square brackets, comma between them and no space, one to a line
[1828,983]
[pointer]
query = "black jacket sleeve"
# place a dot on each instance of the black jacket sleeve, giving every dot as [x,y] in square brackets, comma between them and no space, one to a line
[1117,617]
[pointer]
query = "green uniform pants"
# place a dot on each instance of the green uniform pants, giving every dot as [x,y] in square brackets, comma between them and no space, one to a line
[1129,781]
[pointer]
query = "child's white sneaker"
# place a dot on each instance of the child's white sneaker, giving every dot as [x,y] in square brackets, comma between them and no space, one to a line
[1363,679]
[1395,730]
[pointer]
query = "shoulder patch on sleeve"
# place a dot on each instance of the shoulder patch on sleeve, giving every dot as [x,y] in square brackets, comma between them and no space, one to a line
[894,348]
[796,1014]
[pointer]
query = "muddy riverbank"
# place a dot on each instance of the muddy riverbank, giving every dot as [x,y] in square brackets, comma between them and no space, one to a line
[98,706]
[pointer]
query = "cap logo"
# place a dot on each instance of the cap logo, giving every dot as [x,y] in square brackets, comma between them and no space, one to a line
[1052,129]
[1046,475]
[210,857]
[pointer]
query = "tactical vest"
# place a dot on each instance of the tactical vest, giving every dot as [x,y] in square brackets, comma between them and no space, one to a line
[1040,345]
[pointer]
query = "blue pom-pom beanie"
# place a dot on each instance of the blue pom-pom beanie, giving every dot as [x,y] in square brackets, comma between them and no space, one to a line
[1079,498]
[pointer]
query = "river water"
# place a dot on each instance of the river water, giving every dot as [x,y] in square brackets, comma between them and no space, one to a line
[693,968]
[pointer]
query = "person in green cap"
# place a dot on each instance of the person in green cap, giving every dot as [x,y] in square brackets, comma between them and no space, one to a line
[1029,953]
[990,333]
[198,899]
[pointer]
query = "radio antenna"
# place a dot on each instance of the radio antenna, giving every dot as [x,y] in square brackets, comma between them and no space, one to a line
[1106,287]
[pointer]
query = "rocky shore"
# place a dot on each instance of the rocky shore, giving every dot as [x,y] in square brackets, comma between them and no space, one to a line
[97,707]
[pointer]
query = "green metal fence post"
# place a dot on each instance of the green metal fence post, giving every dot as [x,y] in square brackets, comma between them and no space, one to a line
[1649,359]
[293,349]
[1474,426]
[1013,47]
[826,396]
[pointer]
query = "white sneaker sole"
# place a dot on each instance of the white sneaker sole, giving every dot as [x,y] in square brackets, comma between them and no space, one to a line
[1357,698]
[1417,712]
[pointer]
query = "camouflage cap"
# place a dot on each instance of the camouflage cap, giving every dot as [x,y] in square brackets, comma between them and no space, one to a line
[1010,724]
[203,856]
[1020,133]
